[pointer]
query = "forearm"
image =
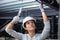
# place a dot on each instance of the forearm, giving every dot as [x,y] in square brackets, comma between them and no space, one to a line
[45,18]
[46,29]
[9,27]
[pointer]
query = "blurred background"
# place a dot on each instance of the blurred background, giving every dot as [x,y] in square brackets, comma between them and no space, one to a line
[10,8]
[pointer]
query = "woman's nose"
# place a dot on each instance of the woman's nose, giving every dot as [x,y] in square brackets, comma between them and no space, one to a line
[31,23]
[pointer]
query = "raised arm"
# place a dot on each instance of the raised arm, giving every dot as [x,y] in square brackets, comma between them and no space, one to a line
[12,32]
[9,27]
[45,18]
[46,29]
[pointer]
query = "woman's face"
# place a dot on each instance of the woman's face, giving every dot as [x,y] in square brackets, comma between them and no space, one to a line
[30,25]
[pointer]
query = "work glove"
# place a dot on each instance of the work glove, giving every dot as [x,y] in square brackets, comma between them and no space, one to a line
[41,7]
[15,19]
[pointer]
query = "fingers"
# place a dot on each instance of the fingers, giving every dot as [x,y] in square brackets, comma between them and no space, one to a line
[41,7]
[16,18]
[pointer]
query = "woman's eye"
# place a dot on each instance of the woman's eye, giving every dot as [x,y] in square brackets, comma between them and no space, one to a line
[32,22]
[28,23]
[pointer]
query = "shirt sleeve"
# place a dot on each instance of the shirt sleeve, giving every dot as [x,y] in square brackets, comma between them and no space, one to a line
[46,30]
[14,33]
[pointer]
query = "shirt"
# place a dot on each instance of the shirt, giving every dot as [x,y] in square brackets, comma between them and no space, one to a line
[21,36]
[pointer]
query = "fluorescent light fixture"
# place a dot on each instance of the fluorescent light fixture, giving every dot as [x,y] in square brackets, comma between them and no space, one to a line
[31,6]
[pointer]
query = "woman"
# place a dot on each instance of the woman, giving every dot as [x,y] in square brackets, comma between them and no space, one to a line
[29,25]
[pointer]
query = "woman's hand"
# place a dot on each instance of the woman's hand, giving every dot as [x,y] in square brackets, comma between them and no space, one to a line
[15,20]
[41,7]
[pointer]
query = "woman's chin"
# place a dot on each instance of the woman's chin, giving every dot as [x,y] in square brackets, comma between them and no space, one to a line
[32,29]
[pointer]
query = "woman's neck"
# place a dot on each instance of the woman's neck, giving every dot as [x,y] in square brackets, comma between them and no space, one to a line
[31,33]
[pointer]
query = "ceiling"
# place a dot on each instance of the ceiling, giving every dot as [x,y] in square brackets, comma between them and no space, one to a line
[8,6]
[13,6]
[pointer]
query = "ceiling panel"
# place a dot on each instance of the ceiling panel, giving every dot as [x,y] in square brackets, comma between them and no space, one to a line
[8,6]
[13,6]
